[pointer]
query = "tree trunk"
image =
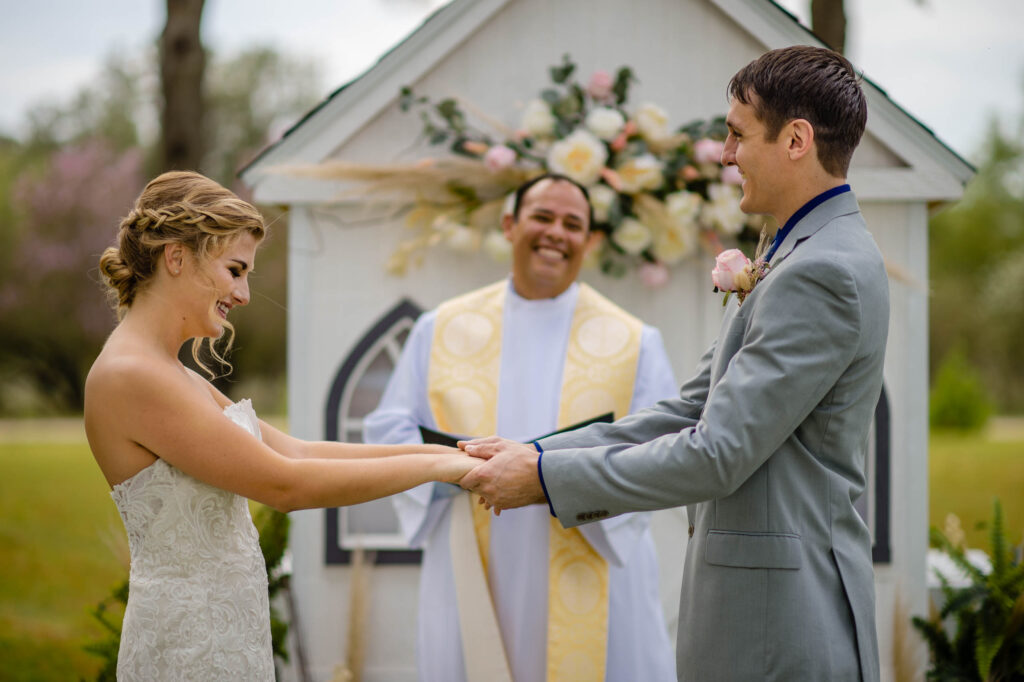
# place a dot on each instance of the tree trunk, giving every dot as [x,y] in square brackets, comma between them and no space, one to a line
[182,62]
[828,20]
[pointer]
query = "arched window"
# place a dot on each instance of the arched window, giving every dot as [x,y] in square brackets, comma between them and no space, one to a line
[355,391]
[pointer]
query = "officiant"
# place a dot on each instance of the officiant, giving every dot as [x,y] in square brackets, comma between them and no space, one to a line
[516,596]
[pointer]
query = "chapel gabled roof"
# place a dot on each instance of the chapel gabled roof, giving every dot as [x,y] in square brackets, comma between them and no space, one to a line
[934,170]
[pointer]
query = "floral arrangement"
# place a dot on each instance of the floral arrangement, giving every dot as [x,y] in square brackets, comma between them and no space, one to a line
[659,195]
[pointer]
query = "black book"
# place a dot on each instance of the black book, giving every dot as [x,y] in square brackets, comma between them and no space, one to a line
[440,438]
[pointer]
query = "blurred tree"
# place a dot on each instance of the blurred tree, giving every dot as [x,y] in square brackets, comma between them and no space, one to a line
[64,188]
[957,399]
[113,109]
[828,21]
[182,63]
[54,320]
[252,98]
[976,261]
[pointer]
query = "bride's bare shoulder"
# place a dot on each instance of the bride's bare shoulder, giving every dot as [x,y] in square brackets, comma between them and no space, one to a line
[128,377]
[113,372]
[122,395]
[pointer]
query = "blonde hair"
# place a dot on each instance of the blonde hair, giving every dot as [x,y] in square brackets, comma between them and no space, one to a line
[178,207]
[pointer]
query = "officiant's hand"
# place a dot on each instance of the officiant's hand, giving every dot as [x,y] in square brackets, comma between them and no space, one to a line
[508,478]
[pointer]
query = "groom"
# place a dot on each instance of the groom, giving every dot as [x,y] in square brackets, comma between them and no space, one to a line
[766,443]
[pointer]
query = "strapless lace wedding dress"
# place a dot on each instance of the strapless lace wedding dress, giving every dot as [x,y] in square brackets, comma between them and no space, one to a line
[197,603]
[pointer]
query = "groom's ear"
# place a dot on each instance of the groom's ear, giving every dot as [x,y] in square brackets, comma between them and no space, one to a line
[799,138]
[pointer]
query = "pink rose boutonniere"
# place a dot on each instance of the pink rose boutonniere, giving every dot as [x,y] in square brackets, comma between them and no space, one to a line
[733,271]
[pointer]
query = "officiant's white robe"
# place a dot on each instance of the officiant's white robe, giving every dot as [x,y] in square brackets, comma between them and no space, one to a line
[535,335]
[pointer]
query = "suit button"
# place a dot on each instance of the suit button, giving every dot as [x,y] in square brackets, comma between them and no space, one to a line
[691,530]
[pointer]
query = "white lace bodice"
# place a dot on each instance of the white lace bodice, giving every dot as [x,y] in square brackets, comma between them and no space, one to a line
[197,604]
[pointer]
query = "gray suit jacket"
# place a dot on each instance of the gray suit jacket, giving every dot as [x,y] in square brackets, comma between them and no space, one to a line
[766,443]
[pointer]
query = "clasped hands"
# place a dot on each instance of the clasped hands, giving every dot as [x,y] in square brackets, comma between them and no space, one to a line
[508,478]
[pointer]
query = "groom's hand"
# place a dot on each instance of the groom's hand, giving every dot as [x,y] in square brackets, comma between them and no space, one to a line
[508,478]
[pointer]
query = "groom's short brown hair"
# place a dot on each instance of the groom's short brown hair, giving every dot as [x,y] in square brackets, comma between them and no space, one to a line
[812,83]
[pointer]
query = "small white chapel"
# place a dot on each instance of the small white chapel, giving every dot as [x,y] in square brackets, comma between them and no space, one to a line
[354,582]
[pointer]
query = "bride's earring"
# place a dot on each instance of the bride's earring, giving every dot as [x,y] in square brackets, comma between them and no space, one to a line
[173,259]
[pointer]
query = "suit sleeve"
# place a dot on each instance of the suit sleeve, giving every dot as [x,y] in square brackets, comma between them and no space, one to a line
[801,335]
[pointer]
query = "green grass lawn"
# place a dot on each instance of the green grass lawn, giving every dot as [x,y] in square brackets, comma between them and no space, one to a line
[62,544]
[61,549]
[967,472]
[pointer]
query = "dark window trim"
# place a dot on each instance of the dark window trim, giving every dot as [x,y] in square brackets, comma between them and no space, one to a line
[334,554]
[881,550]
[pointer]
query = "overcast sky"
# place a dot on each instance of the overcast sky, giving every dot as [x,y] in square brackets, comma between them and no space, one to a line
[953,64]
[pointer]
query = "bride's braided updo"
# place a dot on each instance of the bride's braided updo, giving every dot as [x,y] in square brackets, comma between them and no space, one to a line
[179,207]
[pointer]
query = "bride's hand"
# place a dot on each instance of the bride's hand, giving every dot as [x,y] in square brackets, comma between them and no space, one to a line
[452,467]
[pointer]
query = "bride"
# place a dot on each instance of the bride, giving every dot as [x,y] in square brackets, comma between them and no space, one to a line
[181,458]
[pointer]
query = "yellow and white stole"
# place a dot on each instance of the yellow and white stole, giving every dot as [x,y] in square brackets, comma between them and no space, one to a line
[598,377]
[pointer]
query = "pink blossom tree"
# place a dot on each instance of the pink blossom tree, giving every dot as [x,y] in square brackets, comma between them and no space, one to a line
[54,314]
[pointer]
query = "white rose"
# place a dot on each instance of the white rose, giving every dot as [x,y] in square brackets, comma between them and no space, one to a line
[605,122]
[675,242]
[538,119]
[683,206]
[601,199]
[640,174]
[580,156]
[497,247]
[632,235]
[457,236]
[722,212]
[652,122]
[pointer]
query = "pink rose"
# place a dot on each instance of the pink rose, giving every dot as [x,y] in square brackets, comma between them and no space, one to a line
[499,157]
[653,275]
[474,147]
[732,271]
[611,178]
[619,143]
[690,173]
[600,85]
[731,176]
[708,151]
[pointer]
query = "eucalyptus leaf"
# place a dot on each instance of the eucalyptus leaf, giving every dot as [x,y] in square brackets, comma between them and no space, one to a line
[613,266]
[623,78]
[449,110]
[405,98]
[560,74]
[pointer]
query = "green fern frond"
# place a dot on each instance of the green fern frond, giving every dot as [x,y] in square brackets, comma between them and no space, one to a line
[962,599]
[935,637]
[1015,623]
[986,646]
[1000,552]
[957,554]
